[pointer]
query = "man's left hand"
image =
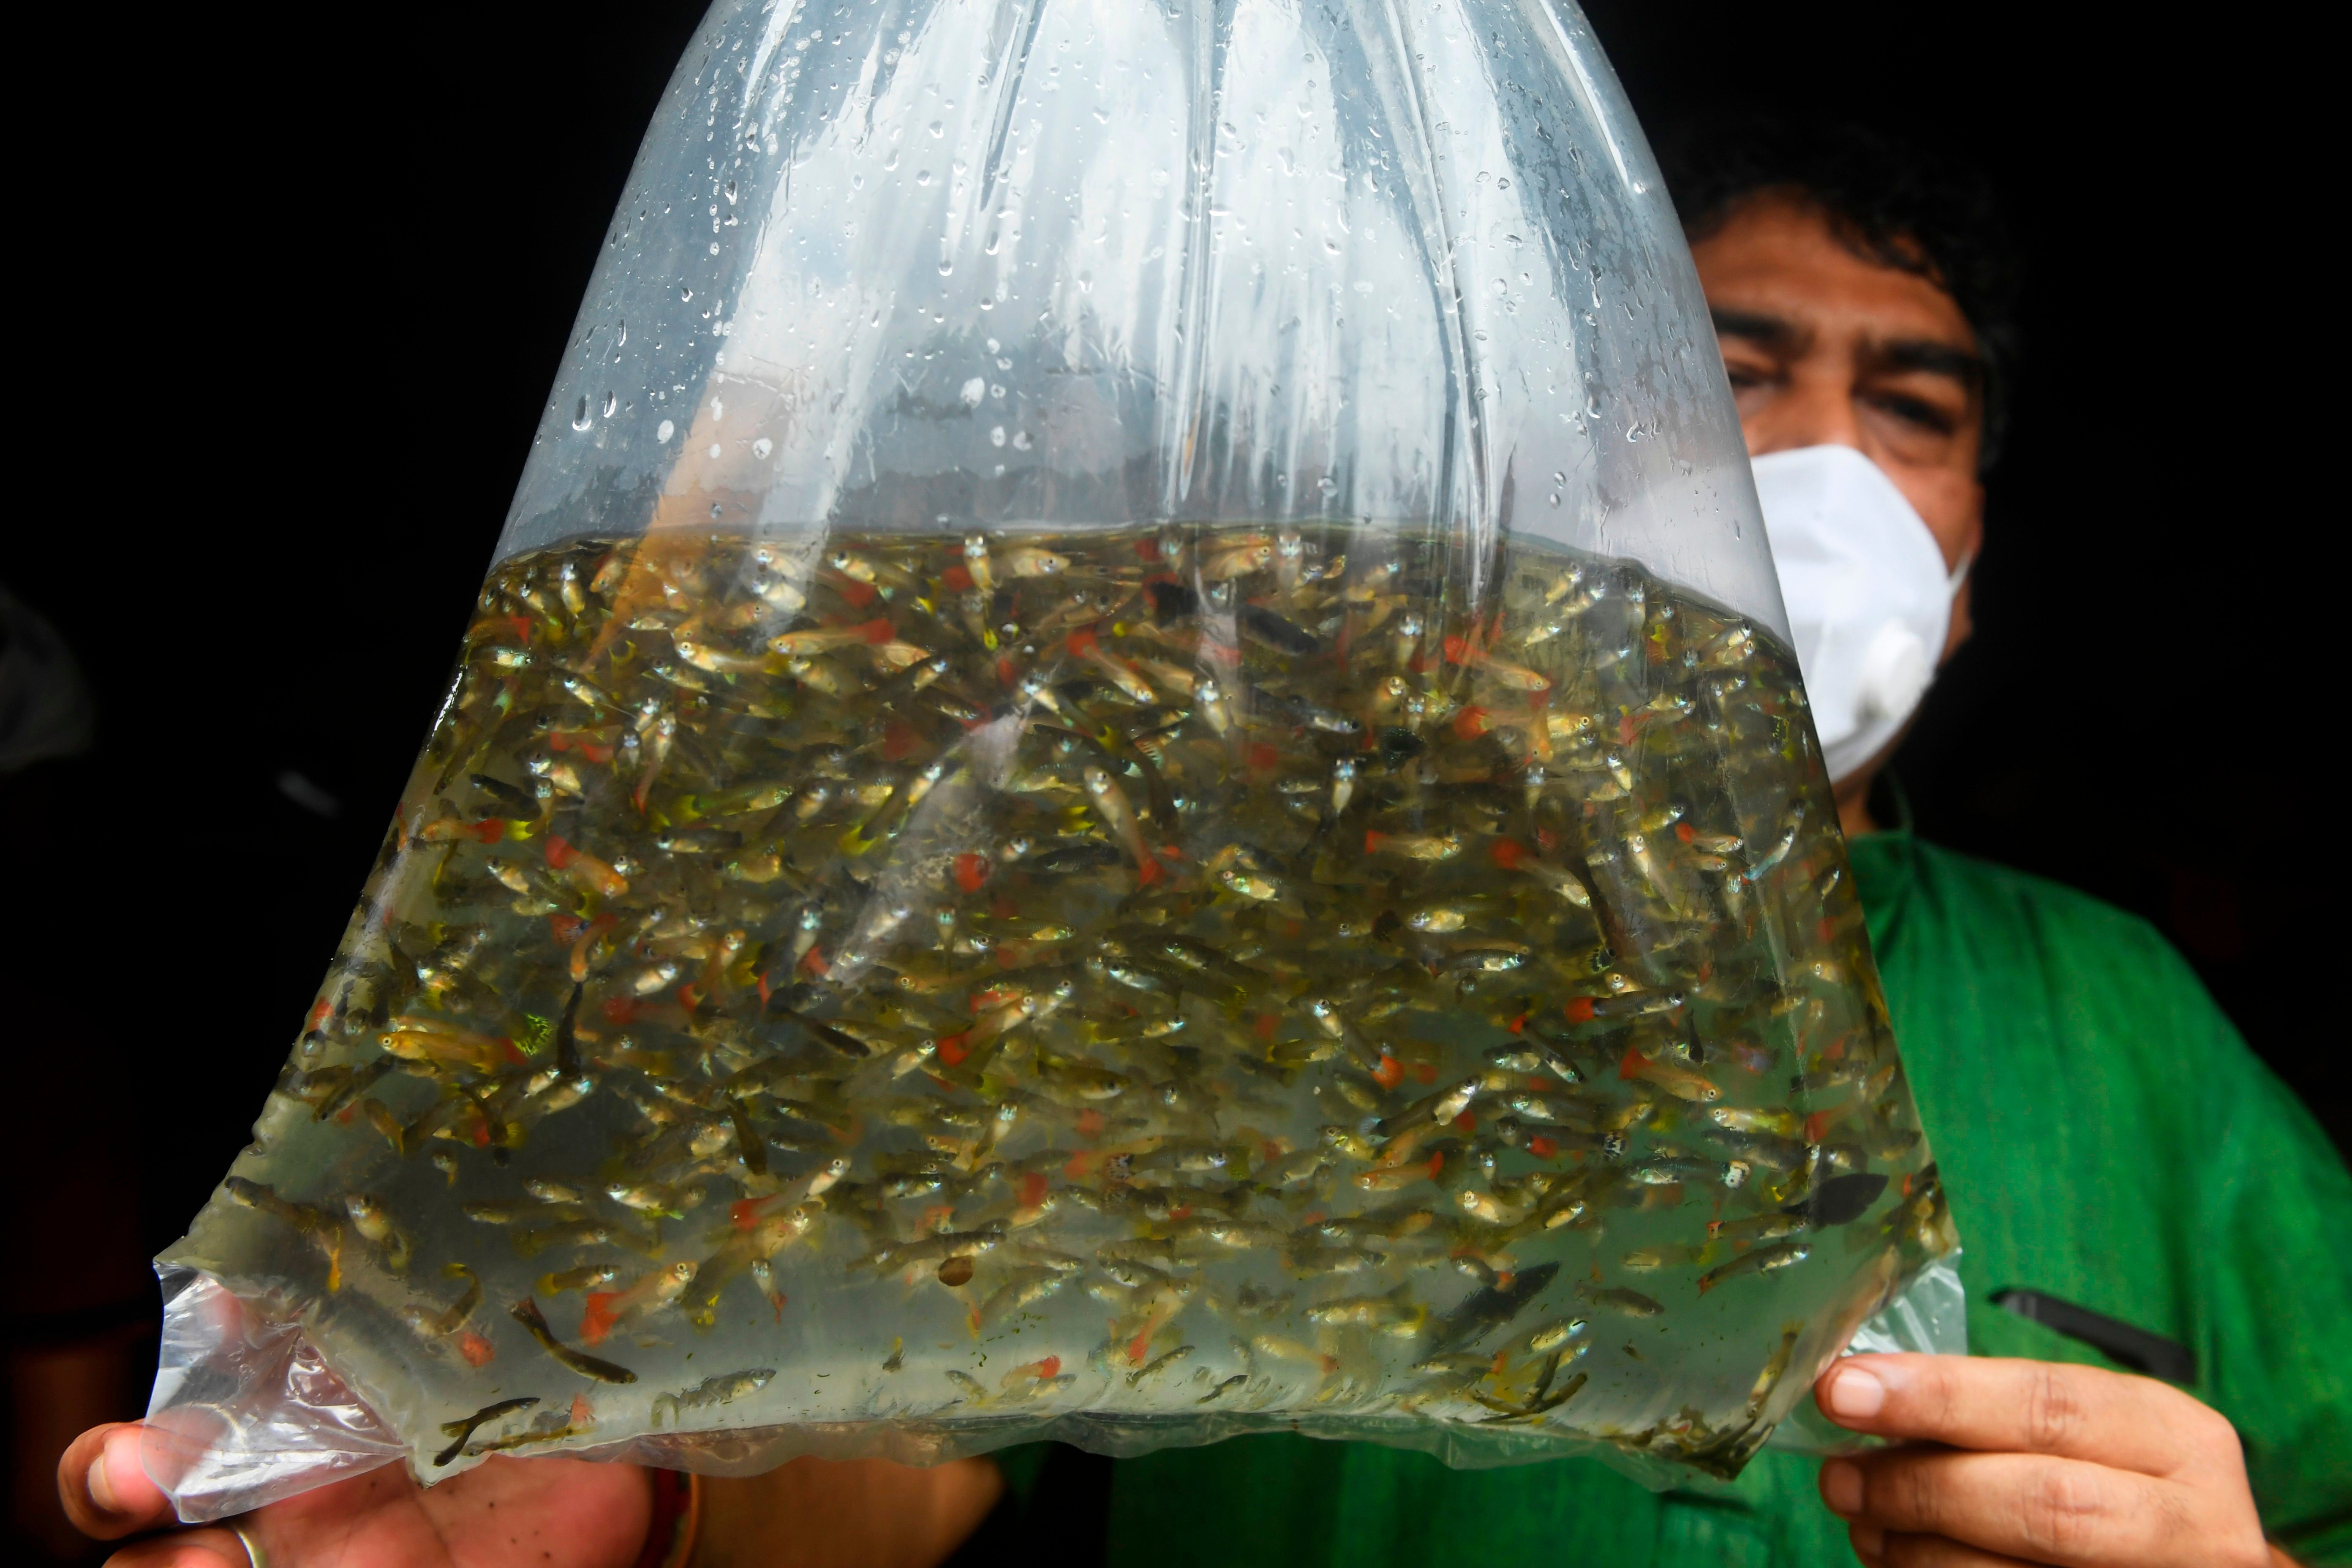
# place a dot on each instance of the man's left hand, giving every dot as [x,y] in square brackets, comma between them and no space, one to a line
[2010,1462]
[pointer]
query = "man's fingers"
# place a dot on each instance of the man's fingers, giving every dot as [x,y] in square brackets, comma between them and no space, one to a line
[1885,1551]
[186,1549]
[104,1488]
[2023,1406]
[2063,1513]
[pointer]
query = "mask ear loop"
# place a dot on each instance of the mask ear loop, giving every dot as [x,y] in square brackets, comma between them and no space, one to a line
[1959,576]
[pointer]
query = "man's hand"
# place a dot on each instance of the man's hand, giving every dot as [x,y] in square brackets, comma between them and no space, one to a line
[2011,1462]
[505,1514]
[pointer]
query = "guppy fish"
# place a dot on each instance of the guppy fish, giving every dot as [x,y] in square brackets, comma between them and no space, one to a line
[1763,1260]
[458,1431]
[724,1389]
[1053,921]
[526,1312]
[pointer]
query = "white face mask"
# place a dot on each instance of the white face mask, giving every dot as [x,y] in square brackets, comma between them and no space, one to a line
[1869,601]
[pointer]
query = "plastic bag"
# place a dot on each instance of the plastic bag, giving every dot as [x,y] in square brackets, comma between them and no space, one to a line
[1130,771]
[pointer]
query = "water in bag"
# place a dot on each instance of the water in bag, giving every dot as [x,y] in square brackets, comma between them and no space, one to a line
[1130,771]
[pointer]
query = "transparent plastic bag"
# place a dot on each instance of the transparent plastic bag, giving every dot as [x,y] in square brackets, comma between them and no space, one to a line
[1130,771]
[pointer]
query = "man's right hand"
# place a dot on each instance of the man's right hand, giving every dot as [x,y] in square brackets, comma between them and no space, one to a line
[507,1513]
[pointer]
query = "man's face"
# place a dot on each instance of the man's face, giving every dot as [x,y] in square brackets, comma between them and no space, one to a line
[1824,348]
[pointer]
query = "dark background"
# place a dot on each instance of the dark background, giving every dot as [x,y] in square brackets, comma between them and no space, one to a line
[319,337]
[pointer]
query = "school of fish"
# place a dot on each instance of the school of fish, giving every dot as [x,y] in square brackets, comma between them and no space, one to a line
[1253,977]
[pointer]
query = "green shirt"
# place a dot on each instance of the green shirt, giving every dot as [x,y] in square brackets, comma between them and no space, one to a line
[2104,1136]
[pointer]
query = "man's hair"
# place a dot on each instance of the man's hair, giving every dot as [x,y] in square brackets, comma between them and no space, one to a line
[1892,204]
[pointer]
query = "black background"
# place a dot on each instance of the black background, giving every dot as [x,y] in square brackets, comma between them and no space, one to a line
[310,302]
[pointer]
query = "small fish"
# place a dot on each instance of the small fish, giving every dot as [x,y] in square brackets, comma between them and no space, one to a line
[437,1325]
[1844,1199]
[1033,560]
[1648,1259]
[1775,1366]
[1762,1260]
[1393,1310]
[1282,1349]
[1490,1308]
[374,1222]
[461,1430]
[723,1389]
[587,1276]
[1414,847]
[1553,1336]
[1112,805]
[763,1279]
[526,1312]
[607,1310]
[578,1233]
[1619,1299]
[1156,1365]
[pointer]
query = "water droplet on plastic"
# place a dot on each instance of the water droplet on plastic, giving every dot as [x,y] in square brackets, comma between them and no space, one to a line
[624,336]
[936,128]
[993,346]
[1328,485]
[974,391]
[762,447]
[945,267]
[580,416]
[1555,498]
[1633,432]
[1020,440]
[686,296]
[714,505]
[730,192]
[922,177]
[996,436]
[664,431]
[1558,477]
[714,449]
[612,405]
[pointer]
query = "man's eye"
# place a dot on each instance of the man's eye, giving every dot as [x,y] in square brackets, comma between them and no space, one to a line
[1917,411]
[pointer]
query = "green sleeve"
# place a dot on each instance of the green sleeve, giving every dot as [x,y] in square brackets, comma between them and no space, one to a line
[2277,1214]
[2107,1137]
[1021,1464]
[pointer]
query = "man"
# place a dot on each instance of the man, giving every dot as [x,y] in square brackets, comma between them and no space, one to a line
[2103,1135]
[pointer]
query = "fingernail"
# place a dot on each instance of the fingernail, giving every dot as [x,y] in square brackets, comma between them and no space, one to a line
[1842,1488]
[102,1490]
[1869,1543]
[1856,1394]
